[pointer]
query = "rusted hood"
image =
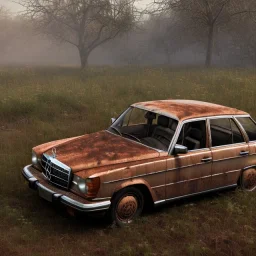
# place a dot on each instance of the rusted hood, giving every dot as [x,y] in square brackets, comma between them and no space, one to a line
[96,150]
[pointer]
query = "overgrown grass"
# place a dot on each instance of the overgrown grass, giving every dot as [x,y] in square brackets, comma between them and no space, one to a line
[39,105]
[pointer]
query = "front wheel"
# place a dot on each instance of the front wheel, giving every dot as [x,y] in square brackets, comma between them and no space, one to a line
[126,206]
[248,180]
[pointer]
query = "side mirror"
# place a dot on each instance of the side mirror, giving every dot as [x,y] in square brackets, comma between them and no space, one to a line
[179,149]
[113,120]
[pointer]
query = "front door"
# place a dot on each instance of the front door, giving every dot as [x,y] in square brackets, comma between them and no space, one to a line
[229,152]
[190,173]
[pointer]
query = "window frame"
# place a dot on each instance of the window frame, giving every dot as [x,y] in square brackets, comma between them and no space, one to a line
[131,116]
[179,130]
[129,109]
[239,126]
[245,116]
[208,131]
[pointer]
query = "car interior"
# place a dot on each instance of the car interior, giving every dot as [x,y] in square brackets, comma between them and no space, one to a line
[152,129]
[161,134]
[193,135]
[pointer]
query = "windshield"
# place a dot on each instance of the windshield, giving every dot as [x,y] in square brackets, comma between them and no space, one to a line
[149,128]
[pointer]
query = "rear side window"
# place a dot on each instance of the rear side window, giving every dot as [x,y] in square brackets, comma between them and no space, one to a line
[224,131]
[237,136]
[249,126]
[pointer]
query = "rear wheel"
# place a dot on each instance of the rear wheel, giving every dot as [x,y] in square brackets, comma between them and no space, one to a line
[248,180]
[126,206]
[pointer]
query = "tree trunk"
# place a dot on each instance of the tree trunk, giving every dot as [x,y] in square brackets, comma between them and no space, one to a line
[83,58]
[168,57]
[208,61]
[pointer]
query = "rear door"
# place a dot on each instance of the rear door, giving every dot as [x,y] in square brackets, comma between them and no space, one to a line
[249,126]
[229,151]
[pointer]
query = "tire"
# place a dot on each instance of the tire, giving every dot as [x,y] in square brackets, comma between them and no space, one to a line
[248,180]
[126,206]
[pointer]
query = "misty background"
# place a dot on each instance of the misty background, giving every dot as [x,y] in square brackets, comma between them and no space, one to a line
[163,35]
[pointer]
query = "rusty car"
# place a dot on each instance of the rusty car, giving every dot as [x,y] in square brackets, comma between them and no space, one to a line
[153,153]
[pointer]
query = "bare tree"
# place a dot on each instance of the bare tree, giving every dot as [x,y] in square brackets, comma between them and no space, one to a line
[5,29]
[85,24]
[242,34]
[205,16]
[167,34]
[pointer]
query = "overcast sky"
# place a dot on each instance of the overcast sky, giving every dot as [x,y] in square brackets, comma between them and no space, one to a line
[15,7]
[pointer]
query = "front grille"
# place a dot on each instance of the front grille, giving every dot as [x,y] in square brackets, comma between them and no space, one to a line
[55,171]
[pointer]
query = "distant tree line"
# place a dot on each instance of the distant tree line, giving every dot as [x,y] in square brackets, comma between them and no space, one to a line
[168,32]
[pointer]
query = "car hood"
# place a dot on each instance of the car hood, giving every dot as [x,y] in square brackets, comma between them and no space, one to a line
[96,150]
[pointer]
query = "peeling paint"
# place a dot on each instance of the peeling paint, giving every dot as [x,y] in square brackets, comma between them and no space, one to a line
[187,109]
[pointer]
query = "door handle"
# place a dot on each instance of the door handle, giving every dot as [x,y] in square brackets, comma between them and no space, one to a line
[206,159]
[244,153]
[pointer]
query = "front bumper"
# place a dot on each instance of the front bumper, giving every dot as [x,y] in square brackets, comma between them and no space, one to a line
[53,194]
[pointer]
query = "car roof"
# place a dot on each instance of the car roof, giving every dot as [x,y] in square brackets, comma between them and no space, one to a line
[187,109]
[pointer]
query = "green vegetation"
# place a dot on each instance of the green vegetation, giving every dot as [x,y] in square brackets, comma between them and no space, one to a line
[40,105]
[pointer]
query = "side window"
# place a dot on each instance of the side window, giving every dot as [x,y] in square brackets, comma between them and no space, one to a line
[249,126]
[224,131]
[193,135]
[237,136]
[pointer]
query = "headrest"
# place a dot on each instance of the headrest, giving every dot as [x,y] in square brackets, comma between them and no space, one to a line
[195,134]
[150,115]
[174,125]
[163,121]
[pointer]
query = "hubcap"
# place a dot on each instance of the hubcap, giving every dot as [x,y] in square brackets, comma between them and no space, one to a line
[250,180]
[127,208]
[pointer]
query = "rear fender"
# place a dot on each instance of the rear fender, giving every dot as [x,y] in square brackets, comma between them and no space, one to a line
[243,170]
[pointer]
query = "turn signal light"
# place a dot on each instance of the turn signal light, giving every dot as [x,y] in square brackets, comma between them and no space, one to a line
[93,185]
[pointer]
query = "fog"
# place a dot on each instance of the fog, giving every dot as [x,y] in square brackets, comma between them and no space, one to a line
[156,40]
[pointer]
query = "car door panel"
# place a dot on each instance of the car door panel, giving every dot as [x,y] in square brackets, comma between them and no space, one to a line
[227,164]
[189,173]
[251,159]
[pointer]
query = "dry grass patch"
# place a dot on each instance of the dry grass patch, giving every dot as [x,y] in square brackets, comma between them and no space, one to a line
[39,105]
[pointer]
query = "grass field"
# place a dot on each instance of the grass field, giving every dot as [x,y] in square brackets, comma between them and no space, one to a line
[39,105]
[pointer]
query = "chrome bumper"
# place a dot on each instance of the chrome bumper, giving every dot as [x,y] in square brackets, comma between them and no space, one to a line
[52,196]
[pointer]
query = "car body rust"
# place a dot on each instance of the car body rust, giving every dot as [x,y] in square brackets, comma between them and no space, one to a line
[120,162]
[188,109]
[99,149]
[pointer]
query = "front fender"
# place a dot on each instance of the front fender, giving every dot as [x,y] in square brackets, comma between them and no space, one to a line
[136,182]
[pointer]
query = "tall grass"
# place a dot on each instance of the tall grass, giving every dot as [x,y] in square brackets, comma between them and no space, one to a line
[39,105]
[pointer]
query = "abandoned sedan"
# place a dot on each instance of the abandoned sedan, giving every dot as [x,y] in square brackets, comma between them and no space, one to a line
[153,153]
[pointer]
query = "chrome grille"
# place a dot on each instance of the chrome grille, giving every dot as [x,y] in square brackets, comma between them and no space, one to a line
[55,171]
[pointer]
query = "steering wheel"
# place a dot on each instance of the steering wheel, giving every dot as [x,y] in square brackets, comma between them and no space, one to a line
[132,136]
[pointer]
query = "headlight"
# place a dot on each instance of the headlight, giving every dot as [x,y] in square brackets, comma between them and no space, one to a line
[34,158]
[88,187]
[80,184]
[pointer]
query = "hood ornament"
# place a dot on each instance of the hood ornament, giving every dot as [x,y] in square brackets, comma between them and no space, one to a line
[54,152]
